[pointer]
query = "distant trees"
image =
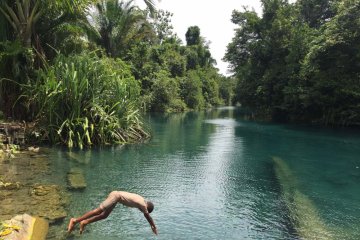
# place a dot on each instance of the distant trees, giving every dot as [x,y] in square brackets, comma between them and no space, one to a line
[300,61]
[175,77]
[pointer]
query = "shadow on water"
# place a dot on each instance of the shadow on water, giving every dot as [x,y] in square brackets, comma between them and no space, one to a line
[302,212]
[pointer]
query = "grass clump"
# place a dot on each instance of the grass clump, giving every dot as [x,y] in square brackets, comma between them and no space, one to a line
[86,99]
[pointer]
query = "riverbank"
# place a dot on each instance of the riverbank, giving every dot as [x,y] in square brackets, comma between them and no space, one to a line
[23,189]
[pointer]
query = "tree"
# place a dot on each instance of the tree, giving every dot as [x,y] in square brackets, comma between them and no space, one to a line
[331,68]
[197,50]
[162,25]
[164,93]
[24,15]
[118,24]
[193,36]
[23,51]
[316,13]
[191,90]
[298,61]
[226,89]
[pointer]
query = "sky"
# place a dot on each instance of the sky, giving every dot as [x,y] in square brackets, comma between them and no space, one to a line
[212,17]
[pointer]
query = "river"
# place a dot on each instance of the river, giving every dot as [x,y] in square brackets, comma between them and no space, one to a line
[217,175]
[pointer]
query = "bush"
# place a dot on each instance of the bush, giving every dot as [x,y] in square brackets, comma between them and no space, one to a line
[84,99]
[165,94]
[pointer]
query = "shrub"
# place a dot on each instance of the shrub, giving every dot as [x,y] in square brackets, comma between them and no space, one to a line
[165,94]
[85,99]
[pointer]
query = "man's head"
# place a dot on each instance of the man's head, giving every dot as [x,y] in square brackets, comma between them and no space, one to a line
[150,206]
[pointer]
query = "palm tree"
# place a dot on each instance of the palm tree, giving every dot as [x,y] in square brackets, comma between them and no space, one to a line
[21,30]
[151,5]
[22,18]
[118,23]
[22,15]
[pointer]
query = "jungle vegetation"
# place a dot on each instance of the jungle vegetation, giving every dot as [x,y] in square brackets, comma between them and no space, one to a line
[299,61]
[83,71]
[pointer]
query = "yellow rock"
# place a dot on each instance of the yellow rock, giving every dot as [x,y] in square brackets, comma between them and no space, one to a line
[11,226]
[40,229]
[24,226]
[5,232]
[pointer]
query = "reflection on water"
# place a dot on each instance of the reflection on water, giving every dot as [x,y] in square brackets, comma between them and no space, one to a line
[211,176]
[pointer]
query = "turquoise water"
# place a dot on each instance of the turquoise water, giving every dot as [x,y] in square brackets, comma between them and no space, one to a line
[211,176]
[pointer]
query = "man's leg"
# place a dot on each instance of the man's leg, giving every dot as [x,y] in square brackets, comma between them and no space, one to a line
[104,214]
[90,214]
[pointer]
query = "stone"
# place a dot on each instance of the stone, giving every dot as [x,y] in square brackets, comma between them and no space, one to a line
[5,194]
[76,179]
[26,227]
[41,190]
[9,185]
[49,202]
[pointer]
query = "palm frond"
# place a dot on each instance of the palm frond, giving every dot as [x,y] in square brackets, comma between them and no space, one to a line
[151,5]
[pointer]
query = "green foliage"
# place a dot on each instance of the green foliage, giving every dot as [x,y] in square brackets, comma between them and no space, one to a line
[53,70]
[119,24]
[197,51]
[84,99]
[193,36]
[191,90]
[316,13]
[22,17]
[168,56]
[4,25]
[16,67]
[226,89]
[299,61]
[331,67]
[164,93]
[162,25]
[186,70]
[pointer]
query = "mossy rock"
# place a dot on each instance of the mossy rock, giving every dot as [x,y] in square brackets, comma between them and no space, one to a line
[49,202]
[9,185]
[82,159]
[76,179]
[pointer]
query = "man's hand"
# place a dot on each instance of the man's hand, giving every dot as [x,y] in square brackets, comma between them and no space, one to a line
[153,228]
[151,222]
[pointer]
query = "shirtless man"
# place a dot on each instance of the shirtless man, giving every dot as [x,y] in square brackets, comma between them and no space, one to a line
[105,208]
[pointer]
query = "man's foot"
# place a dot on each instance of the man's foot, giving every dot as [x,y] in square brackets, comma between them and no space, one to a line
[71,225]
[82,226]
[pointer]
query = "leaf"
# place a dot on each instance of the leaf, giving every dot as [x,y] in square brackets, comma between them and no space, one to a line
[20,11]
[12,23]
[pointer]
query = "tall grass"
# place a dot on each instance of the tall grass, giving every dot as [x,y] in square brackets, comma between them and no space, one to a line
[83,100]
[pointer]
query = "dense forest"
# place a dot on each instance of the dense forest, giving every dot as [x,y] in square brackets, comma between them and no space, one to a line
[299,61]
[82,71]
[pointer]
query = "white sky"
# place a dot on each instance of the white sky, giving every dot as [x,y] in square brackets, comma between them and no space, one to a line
[212,17]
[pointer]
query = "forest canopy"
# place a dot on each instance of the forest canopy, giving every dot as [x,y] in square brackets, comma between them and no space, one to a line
[299,61]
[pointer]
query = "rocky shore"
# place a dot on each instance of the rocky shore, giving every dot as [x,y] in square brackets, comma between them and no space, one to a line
[22,190]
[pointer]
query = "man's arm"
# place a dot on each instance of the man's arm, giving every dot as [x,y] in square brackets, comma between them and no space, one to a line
[151,222]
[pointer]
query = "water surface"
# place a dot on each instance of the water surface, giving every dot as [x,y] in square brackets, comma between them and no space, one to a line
[211,176]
